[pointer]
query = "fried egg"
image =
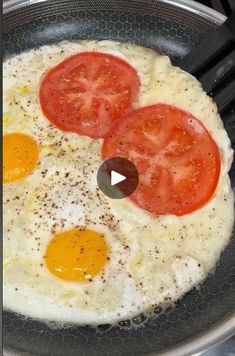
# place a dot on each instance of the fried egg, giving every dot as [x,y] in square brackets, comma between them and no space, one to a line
[73,255]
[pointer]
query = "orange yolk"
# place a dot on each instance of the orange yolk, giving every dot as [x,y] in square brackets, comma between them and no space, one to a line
[20,156]
[76,255]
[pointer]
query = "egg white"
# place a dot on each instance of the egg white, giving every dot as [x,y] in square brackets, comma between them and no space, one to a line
[153,260]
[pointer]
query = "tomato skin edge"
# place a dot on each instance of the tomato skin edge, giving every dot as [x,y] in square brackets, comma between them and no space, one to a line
[45,82]
[217,158]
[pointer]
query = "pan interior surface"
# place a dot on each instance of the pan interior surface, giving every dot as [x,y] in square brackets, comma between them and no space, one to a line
[169,29]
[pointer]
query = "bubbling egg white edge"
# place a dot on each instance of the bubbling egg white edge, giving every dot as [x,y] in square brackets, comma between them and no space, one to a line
[228,157]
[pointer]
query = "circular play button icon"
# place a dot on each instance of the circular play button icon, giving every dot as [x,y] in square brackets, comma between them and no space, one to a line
[117,178]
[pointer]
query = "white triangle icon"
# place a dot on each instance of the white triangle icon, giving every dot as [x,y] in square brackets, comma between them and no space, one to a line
[116,178]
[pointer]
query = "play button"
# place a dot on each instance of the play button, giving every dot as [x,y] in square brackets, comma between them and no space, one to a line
[117,178]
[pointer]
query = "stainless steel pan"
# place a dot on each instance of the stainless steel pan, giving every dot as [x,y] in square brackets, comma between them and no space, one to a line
[201,318]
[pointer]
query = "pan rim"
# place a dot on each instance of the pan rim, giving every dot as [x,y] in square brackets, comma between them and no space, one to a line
[191,5]
[210,339]
[226,328]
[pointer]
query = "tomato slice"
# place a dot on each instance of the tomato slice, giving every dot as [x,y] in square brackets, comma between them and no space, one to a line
[88,92]
[177,159]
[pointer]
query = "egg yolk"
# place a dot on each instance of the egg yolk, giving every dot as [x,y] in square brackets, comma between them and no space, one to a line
[76,255]
[20,156]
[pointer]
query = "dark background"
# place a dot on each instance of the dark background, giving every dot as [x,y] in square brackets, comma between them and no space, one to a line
[228,347]
[223,6]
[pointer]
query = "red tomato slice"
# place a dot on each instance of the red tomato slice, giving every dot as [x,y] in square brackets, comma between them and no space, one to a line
[88,92]
[177,159]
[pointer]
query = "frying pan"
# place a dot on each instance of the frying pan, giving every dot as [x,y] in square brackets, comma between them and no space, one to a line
[202,317]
